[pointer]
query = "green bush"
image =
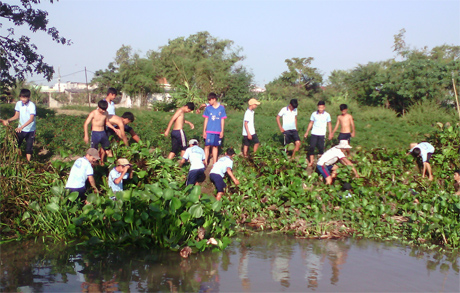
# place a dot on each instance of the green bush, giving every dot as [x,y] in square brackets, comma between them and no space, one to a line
[429,112]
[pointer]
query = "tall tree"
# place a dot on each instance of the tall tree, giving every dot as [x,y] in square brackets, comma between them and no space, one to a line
[19,57]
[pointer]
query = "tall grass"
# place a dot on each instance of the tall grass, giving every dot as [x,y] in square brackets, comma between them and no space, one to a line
[429,112]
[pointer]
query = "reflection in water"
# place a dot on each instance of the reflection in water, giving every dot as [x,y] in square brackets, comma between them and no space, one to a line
[259,262]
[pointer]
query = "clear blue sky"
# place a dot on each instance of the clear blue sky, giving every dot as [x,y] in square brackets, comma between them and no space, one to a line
[337,34]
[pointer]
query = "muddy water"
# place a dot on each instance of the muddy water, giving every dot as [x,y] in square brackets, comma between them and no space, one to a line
[260,262]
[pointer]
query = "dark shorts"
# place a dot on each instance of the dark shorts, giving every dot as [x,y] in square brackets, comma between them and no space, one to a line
[30,138]
[100,137]
[111,132]
[316,141]
[291,136]
[254,140]
[345,136]
[178,141]
[213,139]
[81,193]
[428,157]
[326,171]
[218,182]
[195,176]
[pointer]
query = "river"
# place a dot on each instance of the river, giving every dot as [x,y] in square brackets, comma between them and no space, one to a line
[260,262]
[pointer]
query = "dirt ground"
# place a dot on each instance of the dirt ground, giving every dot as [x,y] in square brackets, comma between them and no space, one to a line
[71,112]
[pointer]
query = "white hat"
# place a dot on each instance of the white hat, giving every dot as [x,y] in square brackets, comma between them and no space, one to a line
[193,141]
[343,145]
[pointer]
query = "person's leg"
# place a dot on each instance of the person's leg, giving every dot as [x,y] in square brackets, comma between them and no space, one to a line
[255,141]
[245,146]
[427,167]
[206,152]
[30,138]
[321,143]
[296,148]
[256,146]
[219,195]
[311,150]
[214,154]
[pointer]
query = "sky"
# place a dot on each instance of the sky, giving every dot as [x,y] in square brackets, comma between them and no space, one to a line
[337,34]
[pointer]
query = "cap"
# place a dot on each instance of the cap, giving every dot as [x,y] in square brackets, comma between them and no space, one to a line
[253,102]
[193,141]
[343,145]
[93,153]
[123,162]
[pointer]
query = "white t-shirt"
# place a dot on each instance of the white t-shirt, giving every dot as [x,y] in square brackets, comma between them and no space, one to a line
[111,108]
[25,110]
[331,157]
[114,174]
[80,171]
[320,122]
[249,117]
[425,148]
[288,118]
[195,155]
[220,167]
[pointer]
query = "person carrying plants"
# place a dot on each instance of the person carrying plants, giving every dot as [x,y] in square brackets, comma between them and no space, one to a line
[289,129]
[81,171]
[217,174]
[121,171]
[126,118]
[249,131]
[99,119]
[178,139]
[213,128]
[197,159]
[347,125]
[319,121]
[25,112]
[326,165]
[425,151]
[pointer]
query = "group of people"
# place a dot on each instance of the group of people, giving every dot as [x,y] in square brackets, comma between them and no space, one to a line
[105,124]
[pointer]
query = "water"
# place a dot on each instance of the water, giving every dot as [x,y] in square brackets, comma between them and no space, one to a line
[259,263]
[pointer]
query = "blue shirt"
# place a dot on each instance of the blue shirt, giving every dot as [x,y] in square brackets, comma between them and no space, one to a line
[110,108]
[25,110]
[114,174]
[220,167]
[80,171]
[214,115]
[195,155]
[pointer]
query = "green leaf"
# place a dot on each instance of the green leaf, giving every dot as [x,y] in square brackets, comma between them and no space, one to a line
[141,174]
[34,206]
[73,196]
[129,216]
[53,207]
[57,190]
[168,193]
[216,206]
[196,210]
[92,198]
[185,216]
[174,203]
[109,211]
[25,216]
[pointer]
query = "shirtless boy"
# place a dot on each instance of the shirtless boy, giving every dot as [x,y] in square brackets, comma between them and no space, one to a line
[118,124]
[178,139]
[347,125]
[99,119]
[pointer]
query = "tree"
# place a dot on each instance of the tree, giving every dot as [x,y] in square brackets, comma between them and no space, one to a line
[19,57]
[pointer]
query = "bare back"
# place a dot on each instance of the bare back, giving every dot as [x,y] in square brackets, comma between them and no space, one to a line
[98,120]
[346,123]
[179,119]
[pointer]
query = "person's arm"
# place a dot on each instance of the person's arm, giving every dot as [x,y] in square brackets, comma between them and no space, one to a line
[134,135]
[205,163]
[352,122]
[173,118]
[92,182]
[296,122]
[204,126]
[119,179]
[182,161]
[202,106]
[122,134]
[310,125]
[222,125]
[347,162]
[15,117]
[189,123]
[331,133]
[279,123]
[329,126]
[230,173]
[85,127]
[247,130]
[130,170]
[31,119]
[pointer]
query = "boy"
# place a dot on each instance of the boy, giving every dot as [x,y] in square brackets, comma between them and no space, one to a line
[126,118]
[81,170]
[249,132]
[122,171]
[213,128]
[347,129]
[224,165]
[289,129]
[326,164]
[197,159]
[115,121]
[25,112]
[319,120]
[178,139]
[111,95]
[457,182]
[99,119]
[425,151]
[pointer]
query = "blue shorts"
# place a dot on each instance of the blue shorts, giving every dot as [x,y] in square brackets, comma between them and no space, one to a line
[99,137]
[178,141]
[218,182]
[325,170]
[195,176]
[213,139]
